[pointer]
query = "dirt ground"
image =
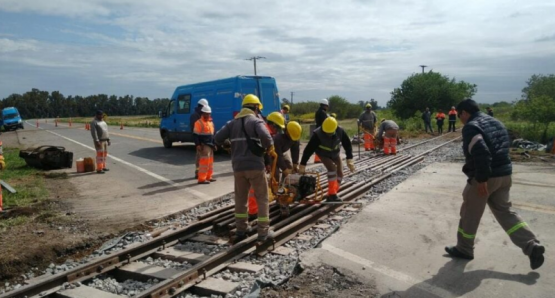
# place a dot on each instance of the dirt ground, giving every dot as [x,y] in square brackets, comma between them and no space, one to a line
[322,281]
[51,234]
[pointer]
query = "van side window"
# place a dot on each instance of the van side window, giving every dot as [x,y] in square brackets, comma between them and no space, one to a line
[184,104]
[171,107]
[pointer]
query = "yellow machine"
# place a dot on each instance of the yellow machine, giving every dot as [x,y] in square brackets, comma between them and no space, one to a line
[294,188]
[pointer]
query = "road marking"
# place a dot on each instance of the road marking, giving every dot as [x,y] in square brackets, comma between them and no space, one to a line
[170,182]
[534,207]
[420,284]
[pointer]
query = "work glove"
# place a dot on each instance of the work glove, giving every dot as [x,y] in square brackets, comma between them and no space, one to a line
[295,168]
[302,169]
[351,165]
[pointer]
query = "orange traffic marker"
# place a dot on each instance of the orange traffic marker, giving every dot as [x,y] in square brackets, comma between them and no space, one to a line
[121,126]
[69,122]
[37,124]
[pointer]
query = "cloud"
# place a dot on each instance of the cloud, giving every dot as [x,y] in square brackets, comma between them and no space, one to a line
[357,49]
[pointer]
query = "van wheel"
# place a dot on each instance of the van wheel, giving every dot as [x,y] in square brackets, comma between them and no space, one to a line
[167,142]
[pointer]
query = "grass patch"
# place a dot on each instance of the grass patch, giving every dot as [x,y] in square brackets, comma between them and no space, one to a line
[131,121]
[12,222]
[27,181]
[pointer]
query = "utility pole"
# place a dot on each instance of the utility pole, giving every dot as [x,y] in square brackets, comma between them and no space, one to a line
[254,59]
[423,66]
[292,99]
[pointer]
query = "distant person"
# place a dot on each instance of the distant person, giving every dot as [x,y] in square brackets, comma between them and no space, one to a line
[387,136]
[452,119]
[490,111]
[101,138]
[367,121]
[203,135]
[321,115]
[489,169]
[427,117]
[440,117]
[194,117]
[285,112]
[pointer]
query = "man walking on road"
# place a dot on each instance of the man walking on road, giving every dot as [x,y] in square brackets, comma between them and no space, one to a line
[367,122]
[427,117]
[489,169]
[192,120]
[203,135]
[247,133]
[101,138]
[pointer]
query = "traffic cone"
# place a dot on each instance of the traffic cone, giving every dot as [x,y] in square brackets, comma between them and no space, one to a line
[37,123]
[121,126]
[69,122]
[56,121]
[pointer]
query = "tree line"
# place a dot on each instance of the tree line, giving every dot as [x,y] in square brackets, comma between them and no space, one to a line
[43,104]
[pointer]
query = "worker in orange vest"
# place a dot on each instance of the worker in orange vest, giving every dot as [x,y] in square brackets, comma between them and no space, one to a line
[367,122]
[452,119]
[203,135]
[440,116]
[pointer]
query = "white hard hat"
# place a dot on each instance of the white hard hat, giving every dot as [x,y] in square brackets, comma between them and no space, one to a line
[203,102]
[324,101]
[206,109]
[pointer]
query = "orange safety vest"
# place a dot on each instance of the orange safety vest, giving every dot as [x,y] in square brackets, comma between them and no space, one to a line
[440,115]
[453,112]
[205,131]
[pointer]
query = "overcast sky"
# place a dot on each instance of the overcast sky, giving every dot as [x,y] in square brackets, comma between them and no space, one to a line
[356,49]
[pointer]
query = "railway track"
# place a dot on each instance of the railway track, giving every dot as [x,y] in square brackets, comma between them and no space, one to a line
[213,227]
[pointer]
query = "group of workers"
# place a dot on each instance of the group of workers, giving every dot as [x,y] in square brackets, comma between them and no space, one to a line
[440,117]
[252,140]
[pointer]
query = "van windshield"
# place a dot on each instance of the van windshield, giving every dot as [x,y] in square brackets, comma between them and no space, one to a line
[10,116]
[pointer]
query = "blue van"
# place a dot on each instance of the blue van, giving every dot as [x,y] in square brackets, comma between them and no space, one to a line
[224,97]
[11,120]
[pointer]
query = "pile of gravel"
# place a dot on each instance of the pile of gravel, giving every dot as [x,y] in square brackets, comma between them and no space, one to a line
[128,288]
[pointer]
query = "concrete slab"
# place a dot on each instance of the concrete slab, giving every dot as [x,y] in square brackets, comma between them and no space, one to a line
[85,292]
[149,270]
[181,255]
[398,242]
[282,250]
[245,267]
[322,226]
[214,286]
[304,237]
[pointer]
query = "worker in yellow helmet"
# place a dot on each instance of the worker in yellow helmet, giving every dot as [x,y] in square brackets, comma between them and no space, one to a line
[285,112]
[286,139]
[250,139]
[326,142]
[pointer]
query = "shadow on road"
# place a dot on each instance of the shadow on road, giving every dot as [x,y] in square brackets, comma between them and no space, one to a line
[178,155]
[178,187]
[452,278]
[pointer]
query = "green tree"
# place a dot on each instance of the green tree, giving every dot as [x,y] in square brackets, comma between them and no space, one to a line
[432,90]
[539,85]
[538,110]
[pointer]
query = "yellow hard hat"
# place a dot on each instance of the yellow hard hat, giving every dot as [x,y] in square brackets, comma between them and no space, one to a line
[368,105]
[295,130]
[277,119]
[329,125]
[252,99]
[286,107]
[334,115]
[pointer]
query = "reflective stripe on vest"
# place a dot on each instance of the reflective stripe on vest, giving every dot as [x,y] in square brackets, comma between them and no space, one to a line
[329,146]
[203,128]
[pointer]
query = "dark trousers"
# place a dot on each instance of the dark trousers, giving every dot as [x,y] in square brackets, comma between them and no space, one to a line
[440,128]
[452,124]
[428,125]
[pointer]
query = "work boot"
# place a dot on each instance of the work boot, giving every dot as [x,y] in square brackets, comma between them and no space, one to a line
[100,172]
[238,237]
[203,182]
[213,180]
[333,198]
[105,170]
[455,253]
[196,174]
[264,238]
[536,257]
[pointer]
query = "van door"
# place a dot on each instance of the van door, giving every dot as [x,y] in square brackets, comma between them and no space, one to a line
[269,95]
[183,115]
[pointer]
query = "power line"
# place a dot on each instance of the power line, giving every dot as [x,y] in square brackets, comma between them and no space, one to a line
[254,59]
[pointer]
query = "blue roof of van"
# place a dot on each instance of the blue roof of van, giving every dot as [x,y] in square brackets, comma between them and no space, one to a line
[235,77]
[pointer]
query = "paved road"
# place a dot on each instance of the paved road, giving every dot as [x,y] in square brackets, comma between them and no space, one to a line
[145,180]
[398,242]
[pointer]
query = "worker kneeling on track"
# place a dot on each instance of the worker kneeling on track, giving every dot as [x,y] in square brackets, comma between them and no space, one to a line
[387,136]
[249,139]
[326,142]
[203,135]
